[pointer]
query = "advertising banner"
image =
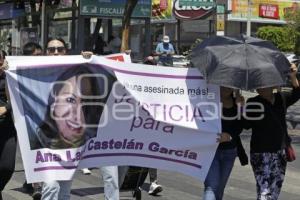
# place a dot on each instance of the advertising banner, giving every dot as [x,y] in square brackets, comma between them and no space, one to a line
[162,9]
[263,11]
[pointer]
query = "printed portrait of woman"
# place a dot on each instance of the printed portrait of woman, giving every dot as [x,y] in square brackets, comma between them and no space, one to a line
[75,105]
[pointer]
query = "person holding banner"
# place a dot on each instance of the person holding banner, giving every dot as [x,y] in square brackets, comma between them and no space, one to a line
[74,136]
[35,189]
[8,139]
[56,190]
[226,153]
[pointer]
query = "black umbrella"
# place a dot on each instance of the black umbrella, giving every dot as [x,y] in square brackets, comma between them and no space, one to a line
[241,62]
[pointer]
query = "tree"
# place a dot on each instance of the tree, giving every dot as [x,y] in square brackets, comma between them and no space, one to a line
[284,38]
[129,7]
[293,21]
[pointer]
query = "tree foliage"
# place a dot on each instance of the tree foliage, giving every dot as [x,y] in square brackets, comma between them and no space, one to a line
[284,38]
[293,22]
[194,45]
[4,39]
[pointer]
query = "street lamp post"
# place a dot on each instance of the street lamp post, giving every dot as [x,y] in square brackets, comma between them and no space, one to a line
[43,39]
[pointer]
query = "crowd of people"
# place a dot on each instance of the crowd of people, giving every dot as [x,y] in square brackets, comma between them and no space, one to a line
[268,140]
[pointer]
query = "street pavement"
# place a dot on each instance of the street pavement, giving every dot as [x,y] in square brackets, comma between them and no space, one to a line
[241,185]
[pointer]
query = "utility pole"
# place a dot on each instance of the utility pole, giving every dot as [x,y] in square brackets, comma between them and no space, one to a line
[249,18]
[43,17]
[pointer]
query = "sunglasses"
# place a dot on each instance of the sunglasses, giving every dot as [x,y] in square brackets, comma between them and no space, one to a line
[58,49]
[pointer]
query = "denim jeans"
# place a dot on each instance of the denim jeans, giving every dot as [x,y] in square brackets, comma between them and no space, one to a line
[56,190]
[218,174]
[111,182]
[60,190]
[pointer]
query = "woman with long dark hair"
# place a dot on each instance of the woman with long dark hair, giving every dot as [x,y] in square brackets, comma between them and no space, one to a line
[73,105]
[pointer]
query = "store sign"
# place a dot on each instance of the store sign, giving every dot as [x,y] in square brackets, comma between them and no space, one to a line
[113,8]
[197,3]
[220,18]
[220,9]
[193,9]
[162,9]
[274,12]
[269,11]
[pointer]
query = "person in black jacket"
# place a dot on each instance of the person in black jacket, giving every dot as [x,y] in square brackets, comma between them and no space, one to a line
[228,148]
[265,115]
[7,133]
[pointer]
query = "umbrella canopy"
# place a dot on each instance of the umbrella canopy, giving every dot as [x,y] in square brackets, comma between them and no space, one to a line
[241,62]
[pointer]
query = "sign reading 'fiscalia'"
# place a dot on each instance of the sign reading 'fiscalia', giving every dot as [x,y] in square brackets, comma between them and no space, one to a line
[113,8]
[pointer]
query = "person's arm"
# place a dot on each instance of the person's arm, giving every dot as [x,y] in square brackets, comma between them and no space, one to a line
[172,51]
[4,66]
[8,105]
[224,137]
[293,76]
[157,50]
[87,54]
[293,96]
[5,105]
[3,110]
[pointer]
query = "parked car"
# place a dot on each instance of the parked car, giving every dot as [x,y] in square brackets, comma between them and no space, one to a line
[180,61]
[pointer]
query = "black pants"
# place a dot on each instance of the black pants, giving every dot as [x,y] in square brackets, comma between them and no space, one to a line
[8,144]
[152,175]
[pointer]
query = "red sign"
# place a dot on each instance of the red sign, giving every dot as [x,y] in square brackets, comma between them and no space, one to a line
[269,11]
[117,58]
[191,12]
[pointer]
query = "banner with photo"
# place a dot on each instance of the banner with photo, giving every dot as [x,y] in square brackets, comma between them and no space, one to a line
[72,112]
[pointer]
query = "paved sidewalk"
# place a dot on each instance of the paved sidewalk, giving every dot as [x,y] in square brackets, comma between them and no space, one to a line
[241,185]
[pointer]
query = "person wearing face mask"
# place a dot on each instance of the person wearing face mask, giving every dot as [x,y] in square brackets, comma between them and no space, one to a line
[165,50]
[8,138]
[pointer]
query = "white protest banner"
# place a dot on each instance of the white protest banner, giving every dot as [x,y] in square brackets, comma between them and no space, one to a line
[72,113]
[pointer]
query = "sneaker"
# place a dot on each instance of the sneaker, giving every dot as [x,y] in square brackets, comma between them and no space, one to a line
[86,171]
[37,193]
[155,189]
